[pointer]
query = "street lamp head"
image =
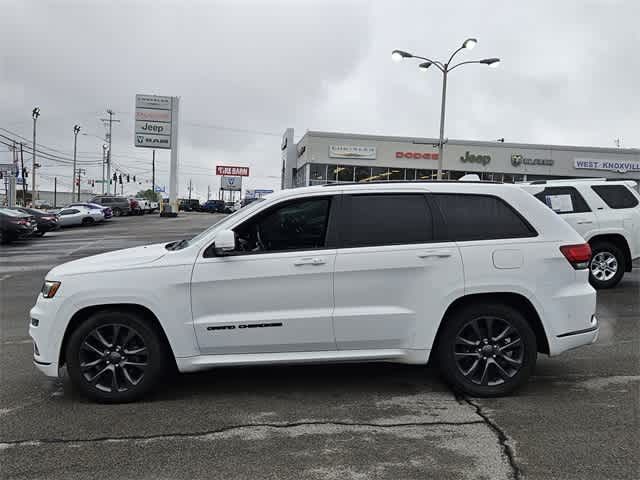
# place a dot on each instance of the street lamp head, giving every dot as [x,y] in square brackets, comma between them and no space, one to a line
[35,113]
[424,66]
[492,62]
[398,55]
[469,43]
[76,129]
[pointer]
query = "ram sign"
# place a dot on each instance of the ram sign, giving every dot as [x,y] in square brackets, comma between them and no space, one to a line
[233,184]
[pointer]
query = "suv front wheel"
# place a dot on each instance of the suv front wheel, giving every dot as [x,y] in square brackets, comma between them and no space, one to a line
[486,350]
[115,356]
[607,265]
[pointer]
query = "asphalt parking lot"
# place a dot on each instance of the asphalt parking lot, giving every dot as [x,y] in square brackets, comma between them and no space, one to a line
[578,418]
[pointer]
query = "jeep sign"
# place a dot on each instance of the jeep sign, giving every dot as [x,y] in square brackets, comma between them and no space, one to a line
[472,158]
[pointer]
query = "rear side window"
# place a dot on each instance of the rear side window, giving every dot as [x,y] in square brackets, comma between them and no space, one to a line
[372,220]
[616,196]
[563,200]
[481,217]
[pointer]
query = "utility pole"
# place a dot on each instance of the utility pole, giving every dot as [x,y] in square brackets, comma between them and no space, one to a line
[55,191]
[105,149]
[34,193]
[76,131]
[189,189]
[24,179]
[208,192]
[81,171]
[111,120]
[153,171]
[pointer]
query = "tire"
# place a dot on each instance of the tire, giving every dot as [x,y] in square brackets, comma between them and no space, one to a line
[86,357]
[464,364]
[117,212]
[607,265]
[88,221]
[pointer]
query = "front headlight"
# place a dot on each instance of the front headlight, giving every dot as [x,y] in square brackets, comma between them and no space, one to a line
[50,288]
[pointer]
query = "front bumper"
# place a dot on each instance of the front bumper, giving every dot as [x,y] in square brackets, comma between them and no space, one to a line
[46,339]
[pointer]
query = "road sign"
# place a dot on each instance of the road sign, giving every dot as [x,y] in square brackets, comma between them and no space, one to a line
[233,184]
[232,171]
[153,126]
[160,189]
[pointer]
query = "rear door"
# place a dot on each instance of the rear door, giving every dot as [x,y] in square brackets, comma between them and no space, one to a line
[391,272]
[569,203]
[620,209]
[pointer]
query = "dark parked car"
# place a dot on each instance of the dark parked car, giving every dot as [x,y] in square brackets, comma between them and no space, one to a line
[108,212]
[45,221]
[15,225]
[119,205]
[187,205]
[213,206]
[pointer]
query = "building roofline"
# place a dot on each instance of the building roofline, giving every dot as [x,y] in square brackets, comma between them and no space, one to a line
[434,142]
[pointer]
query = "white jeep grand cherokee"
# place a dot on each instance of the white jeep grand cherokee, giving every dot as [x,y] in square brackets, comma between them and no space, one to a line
[477,277]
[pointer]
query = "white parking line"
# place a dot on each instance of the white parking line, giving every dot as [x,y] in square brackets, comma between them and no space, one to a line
[4,277]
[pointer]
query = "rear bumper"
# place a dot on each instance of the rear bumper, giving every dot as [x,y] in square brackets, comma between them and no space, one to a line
[570,340]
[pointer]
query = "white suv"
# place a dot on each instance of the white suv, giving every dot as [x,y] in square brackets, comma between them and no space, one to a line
[478,277]
[606,214]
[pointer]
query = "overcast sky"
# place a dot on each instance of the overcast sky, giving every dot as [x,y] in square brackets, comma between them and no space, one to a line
[246,70]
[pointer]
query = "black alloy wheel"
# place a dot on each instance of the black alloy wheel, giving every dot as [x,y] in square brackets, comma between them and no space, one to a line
[486,350]
[115,356]
[116,212]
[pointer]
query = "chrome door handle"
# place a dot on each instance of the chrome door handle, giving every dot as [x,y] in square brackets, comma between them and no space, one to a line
[435,254]
[585,222]
[309,261]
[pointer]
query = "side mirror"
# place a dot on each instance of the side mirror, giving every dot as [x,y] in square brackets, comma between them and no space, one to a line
[225,242]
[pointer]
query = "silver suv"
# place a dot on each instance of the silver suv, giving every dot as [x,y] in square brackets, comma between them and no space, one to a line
[119,205]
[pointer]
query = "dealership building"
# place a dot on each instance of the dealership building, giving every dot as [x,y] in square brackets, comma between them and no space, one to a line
[325,157]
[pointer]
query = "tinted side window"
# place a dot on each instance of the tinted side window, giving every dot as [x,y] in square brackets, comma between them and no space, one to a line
[392,219]
[563,200]
[616,196]
[481,217]
[296,225]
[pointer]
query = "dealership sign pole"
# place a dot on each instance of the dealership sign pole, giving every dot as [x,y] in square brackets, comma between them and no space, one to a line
[156,126]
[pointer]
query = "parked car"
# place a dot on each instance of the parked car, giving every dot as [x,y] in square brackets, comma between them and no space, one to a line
[147,206]
[45,221]
[153,206]
[189,205]
[606,214]
[119,205]
[213,206]
[108,212]
[15,225]
[330,274]
[229,207]
[79,216]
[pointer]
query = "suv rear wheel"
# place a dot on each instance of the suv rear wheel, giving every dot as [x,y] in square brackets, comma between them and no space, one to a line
[486,350]
[607,265]
[115,356]
[117,212]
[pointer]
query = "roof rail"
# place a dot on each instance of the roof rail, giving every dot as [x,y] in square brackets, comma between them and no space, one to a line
[374,182]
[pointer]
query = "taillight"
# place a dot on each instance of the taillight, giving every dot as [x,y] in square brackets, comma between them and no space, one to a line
[21,222]
[577,255]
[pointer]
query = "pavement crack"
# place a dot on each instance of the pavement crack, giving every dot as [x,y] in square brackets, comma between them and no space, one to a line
[196,435]
[502,438]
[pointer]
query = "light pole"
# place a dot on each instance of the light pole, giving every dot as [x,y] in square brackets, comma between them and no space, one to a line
[76,131]
[105,149]
[35,113]
[445,68]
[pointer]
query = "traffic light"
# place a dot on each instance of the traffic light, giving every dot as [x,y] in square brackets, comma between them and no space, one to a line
[115,177]
[25,174]
[93,183]
[134,178]
[120,178]
[128,179]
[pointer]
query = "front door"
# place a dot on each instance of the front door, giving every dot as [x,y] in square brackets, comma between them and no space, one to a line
[390,273]
[275,292]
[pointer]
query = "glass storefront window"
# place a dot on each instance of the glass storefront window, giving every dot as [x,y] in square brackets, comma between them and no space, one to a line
[345,173]
[425,174]
[362,174]
[318,172]
[396,174]
[410,174]
[379,173]
[332,173]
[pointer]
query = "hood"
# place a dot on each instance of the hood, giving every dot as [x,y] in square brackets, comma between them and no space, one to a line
[116,260]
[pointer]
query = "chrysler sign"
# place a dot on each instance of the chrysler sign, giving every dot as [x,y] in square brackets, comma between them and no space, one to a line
[352,151]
